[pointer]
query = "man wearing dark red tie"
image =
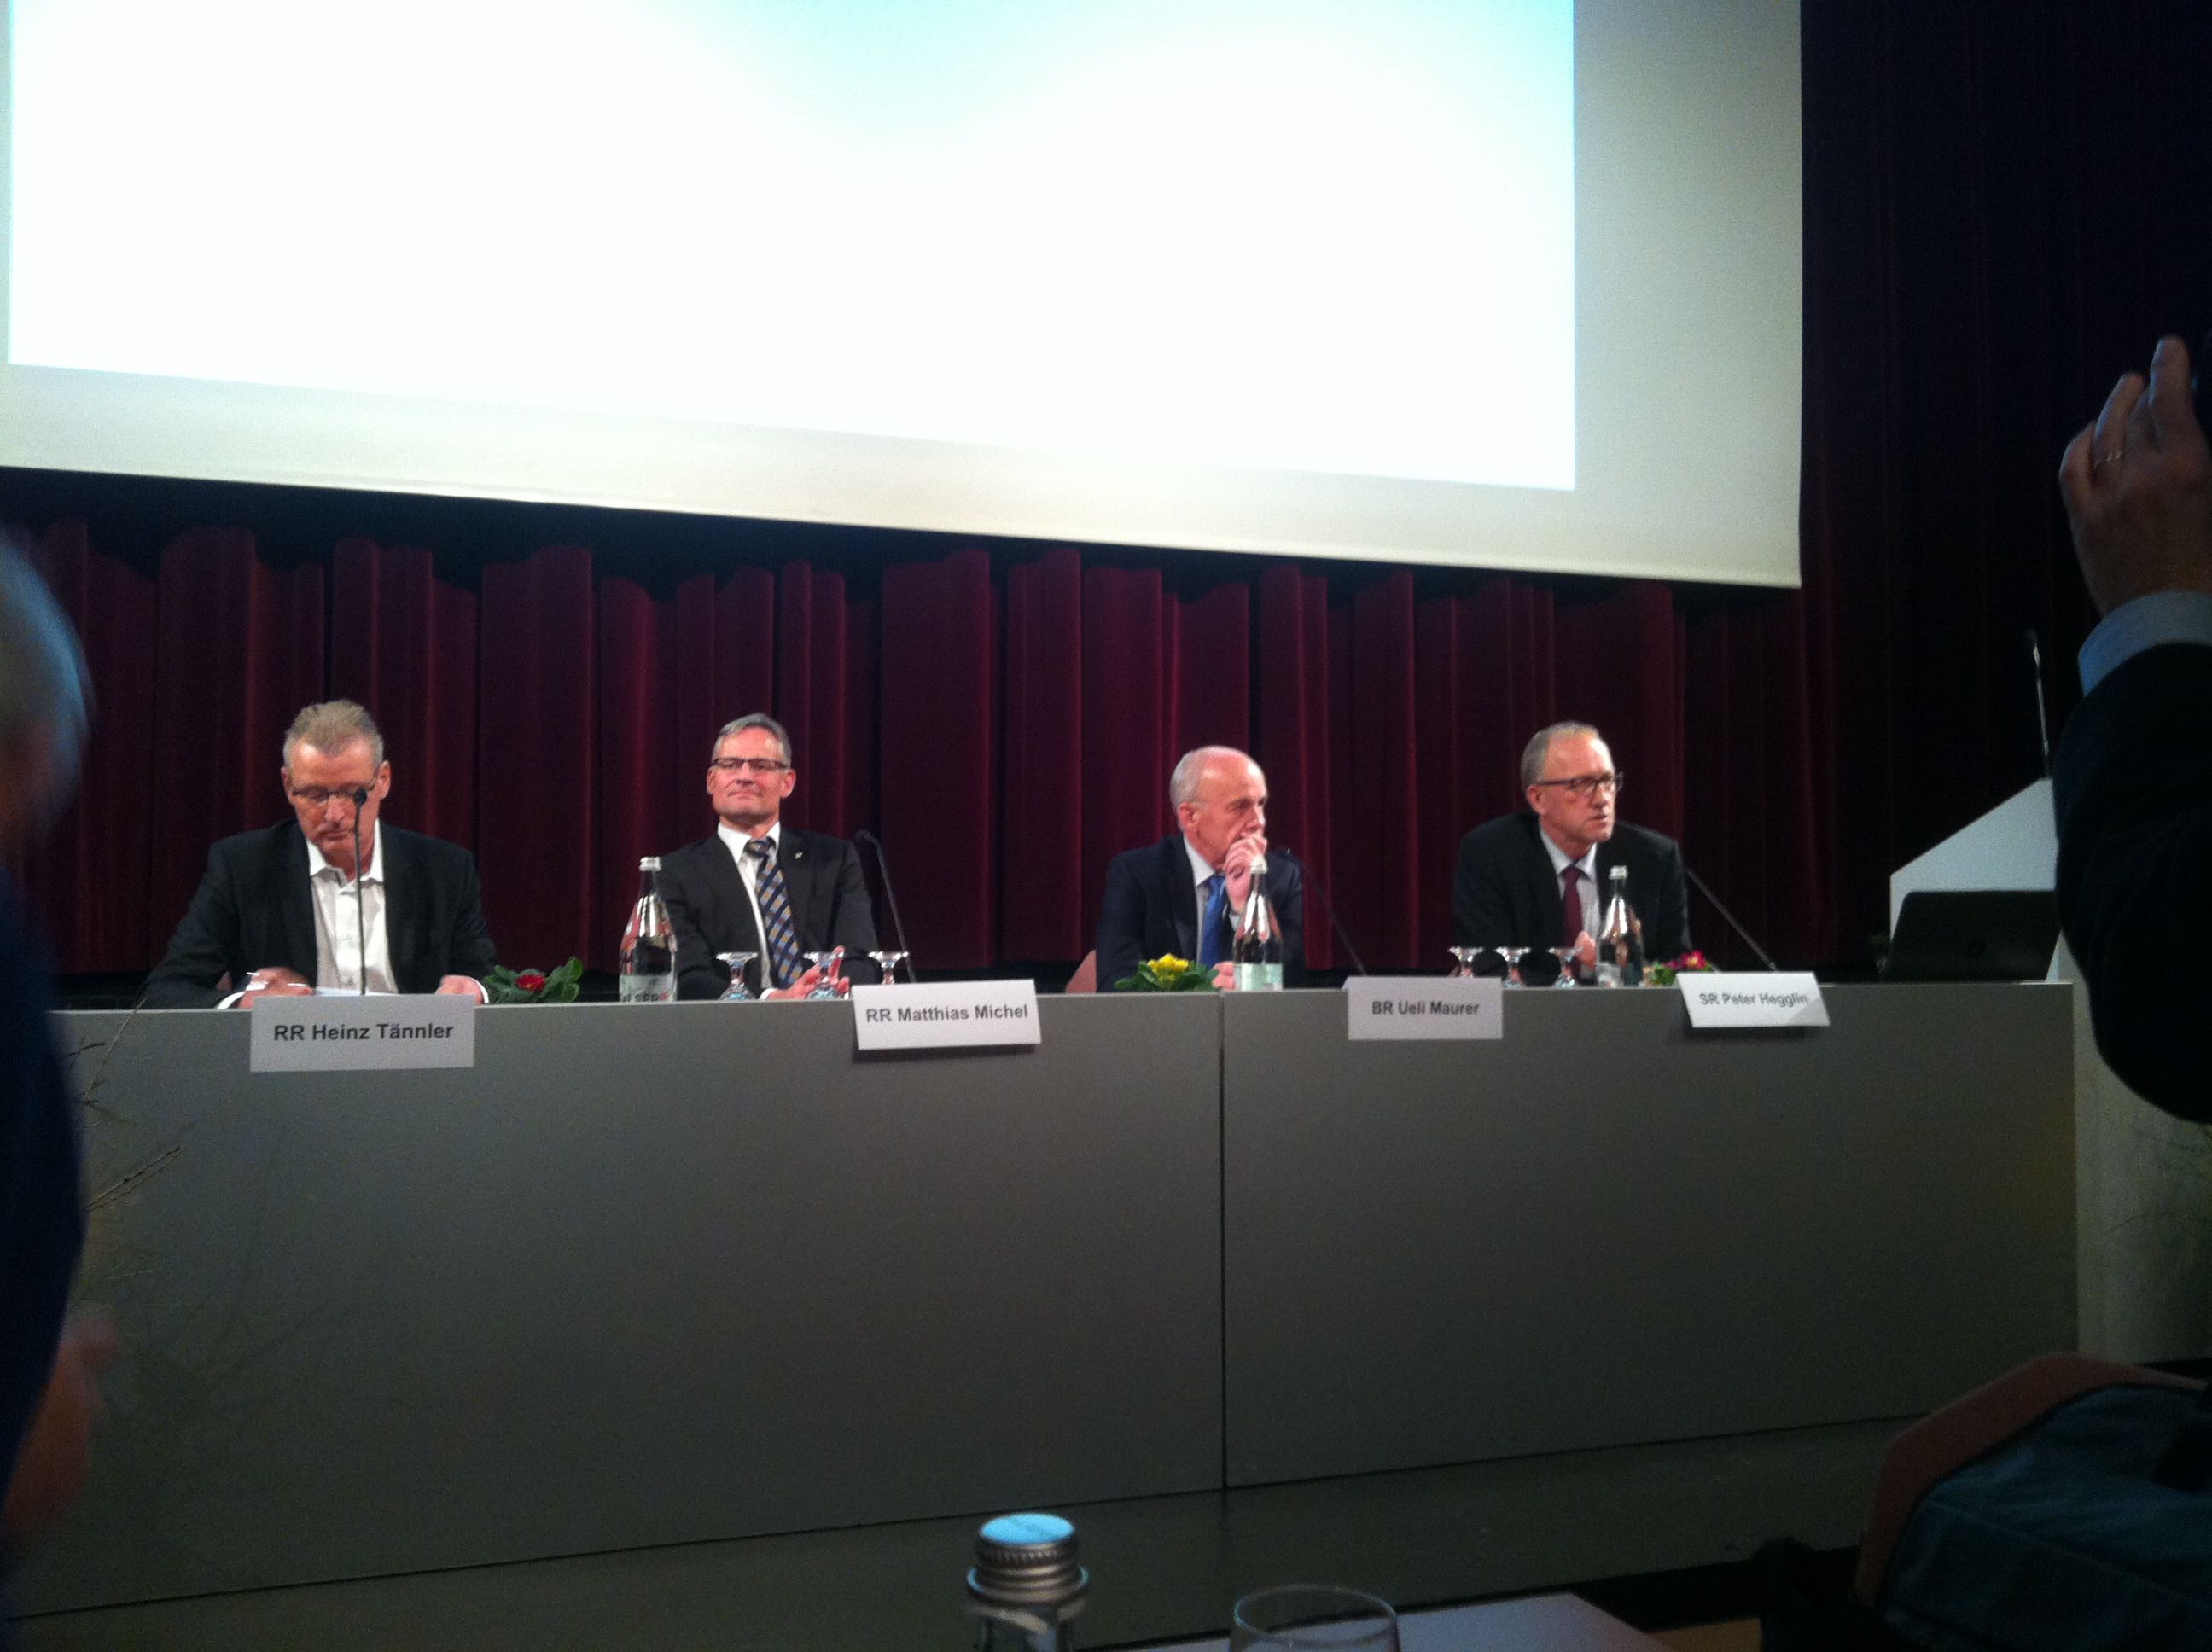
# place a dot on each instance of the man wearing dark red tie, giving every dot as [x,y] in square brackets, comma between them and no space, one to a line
[759,886]
[1541,878]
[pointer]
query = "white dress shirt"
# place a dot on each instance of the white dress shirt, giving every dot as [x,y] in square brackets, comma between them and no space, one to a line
[339,914]
[748,866]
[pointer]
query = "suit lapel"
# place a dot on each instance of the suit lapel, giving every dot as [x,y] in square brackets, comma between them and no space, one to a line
[1543,884]
[726,886]
[797,859]
[1184,902]
[295,909]
[404,895]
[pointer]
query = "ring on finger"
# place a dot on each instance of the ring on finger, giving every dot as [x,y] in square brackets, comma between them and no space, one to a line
[2112,457]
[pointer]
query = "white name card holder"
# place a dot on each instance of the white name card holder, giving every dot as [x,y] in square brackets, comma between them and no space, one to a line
[1394,1007]
[384,1032]
[1780,999]
[946,1015]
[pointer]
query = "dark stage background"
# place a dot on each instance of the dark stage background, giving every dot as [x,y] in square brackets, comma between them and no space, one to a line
[2004,206]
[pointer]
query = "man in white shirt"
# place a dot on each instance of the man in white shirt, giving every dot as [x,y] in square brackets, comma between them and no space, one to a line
[283,910]
[759,886]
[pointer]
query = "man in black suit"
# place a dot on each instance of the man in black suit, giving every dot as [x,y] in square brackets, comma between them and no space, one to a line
[1541,879]
[1182,894]
[759,886]
[2133,774]
[279,911]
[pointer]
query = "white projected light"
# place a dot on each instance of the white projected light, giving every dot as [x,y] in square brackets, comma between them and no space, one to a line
[1290,277]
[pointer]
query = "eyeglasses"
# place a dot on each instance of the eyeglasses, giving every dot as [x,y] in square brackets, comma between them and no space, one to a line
[1587,786]
[314,796]
[748,765]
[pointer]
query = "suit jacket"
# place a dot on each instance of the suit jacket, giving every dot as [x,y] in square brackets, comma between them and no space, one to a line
[254,909]
[1151,907]
[711,911]
[2132,783]
[1505,893]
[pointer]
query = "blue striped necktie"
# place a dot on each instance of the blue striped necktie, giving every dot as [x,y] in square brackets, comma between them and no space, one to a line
[775,913]
[1213,921]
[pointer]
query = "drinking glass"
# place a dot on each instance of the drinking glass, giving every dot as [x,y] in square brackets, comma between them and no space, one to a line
[888,964]
[1302,1616]
[1512,955]
[1463,959]
[1565,955]
[738,992]
[827,962]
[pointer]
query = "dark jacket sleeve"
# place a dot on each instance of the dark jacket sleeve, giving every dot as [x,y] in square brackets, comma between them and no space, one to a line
[1667,927]
[468,949]
[1120,921]
[853,917]
[2133,790]
[1288,896]
[206,946]
[697,974]
[1482,893]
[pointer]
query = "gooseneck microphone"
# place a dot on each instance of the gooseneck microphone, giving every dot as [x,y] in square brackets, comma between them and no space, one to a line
[2042,705]
[1742,934]
[1336,928]
[891,896]
[360,890]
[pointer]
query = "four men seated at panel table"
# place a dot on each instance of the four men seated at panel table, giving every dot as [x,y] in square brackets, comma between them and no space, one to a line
[316,901]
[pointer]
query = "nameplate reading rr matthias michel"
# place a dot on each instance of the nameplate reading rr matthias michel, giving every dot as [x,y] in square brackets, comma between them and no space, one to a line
[380,1033]
[945,1015]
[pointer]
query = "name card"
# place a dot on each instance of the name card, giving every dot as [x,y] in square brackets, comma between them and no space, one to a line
[363,1034]
[1424,1006]
[945,1015]
[1776,999]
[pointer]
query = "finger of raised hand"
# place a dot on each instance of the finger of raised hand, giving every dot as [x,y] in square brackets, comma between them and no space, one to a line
[2111,437]
[2172,412]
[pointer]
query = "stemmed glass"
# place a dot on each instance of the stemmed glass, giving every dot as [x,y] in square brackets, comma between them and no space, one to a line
[1512,955]
[827,962]
[1565,955]
[1303,1616]
[1463,959]
[738,992]
[887,966]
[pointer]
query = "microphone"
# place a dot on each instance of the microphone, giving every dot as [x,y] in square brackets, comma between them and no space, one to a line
[360,890]
[1336,928]
[890,897]
[2042,706]
[1742,934]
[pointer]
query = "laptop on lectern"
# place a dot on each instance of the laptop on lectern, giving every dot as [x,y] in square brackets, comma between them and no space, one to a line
[1982,934]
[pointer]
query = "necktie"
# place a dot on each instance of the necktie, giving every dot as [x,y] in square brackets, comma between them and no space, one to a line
[1571,903]
[775,913]
[1213,921]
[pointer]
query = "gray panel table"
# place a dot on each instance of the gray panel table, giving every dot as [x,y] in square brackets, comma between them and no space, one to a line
[1606,1227]
[646,1274]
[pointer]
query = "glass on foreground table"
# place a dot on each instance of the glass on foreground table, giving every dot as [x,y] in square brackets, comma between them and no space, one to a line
[1302,1616]
[891,970]
[1463,959]
[738,992]
[827,962]
[1512,955]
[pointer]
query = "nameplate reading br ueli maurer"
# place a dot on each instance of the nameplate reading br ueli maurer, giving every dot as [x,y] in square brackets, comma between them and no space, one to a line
[1424,1006]
[1779,999]
[945,1015]
[380,1033]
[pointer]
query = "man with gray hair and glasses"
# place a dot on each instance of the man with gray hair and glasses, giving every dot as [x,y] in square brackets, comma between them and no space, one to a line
[759,886]
[48,1357]
[1539,878]
[286,910]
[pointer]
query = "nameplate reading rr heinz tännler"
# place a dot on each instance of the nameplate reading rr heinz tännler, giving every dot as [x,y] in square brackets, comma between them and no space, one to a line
[381,1032]
[945,1015]
[1778,1000]
[1424,1006]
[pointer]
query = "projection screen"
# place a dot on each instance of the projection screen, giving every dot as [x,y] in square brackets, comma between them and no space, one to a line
[1511,283]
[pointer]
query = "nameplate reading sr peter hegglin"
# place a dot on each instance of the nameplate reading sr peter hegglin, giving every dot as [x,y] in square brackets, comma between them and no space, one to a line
[1783,998]
[945,1015]
[1424,1006]
[378,1033]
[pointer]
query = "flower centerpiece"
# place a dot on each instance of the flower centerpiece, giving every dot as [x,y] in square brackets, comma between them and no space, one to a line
[1689,964]
[534,986]
[1167,973]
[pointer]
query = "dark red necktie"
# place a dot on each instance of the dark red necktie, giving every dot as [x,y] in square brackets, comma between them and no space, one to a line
[1571,903]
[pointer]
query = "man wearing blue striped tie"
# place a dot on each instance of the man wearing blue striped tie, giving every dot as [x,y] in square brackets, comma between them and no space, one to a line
[759,886]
